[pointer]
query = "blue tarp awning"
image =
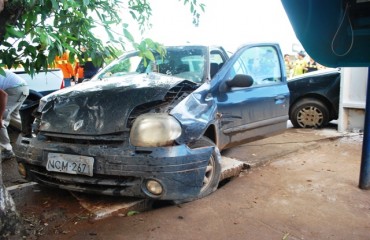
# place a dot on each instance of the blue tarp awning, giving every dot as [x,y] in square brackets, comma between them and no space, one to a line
[336,33]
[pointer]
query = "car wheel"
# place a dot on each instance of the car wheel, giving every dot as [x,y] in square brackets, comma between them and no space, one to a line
[309,113]
[213,170]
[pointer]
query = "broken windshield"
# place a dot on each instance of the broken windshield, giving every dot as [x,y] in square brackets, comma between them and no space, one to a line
[183,62]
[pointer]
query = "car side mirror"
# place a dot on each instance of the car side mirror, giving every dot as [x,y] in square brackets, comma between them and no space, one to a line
[240,80]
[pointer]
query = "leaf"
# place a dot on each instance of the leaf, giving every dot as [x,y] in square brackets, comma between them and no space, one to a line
[22,44]
[132,213]
[65,5]
[52,54]
[44,40]
[148,54]
[285,237]
[60,49]
[6,44]
[72,37]
[14,33]
[128,35]
[2,72]
[133,15]
[202,6]
[109,22]
[30,50]
[55,4]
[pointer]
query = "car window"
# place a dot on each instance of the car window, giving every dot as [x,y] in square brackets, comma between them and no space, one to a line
[126,66]
[216,61]
[186,63]
[216,58]
[262,63]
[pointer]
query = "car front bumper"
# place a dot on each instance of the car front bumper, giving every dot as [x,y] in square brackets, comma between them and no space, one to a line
[119,170]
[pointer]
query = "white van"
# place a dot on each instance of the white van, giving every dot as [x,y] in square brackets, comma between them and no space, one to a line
[44,82]
[40,84]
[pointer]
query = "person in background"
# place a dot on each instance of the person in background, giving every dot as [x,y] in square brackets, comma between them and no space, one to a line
[288,65]
[312,65]
[300,65]
[17,90]
[79,66]
[79,70]
[63,63]
[85,69]
[90,69]
[319,66]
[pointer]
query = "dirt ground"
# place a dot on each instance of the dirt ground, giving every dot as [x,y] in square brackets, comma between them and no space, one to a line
[302,184]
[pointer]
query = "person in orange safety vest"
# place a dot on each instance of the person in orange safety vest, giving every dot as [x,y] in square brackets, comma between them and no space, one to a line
[79,70]
[63,63]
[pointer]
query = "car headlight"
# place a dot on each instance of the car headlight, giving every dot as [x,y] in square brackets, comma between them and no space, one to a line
[154,130]
[42,104]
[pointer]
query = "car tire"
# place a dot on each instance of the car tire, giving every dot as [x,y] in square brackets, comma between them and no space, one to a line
[213,171]
[309,113]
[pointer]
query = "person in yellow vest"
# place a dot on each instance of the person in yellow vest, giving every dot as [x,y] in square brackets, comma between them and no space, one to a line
[288,65]
[63,63]
[300,65]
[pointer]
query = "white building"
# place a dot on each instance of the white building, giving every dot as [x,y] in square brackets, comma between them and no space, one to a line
[352,99]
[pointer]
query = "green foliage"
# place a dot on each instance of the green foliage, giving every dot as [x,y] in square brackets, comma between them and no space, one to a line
[145,48]
[34,32]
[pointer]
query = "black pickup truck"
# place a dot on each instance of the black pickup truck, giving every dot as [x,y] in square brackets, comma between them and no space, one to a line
[314,98]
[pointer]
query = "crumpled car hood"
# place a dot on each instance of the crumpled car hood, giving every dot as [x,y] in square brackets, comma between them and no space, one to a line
[102,107]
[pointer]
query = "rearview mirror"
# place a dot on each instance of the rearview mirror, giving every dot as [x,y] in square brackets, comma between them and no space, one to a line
[240,80]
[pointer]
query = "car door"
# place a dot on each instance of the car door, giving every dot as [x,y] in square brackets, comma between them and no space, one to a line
[247,113]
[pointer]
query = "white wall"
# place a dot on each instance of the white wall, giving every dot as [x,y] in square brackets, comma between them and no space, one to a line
[352,99]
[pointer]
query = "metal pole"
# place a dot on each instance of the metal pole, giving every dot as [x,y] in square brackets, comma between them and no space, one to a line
[365,161]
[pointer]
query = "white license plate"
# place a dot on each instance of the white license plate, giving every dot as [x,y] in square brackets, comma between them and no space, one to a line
[72,164]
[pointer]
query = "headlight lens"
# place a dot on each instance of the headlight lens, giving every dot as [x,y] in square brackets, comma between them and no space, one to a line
[154,130]
[42,104]
[154,187]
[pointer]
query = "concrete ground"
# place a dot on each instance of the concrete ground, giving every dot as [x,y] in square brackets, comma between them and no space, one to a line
[301,184]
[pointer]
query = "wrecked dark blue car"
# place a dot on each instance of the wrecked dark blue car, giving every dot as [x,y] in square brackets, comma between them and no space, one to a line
[155,128]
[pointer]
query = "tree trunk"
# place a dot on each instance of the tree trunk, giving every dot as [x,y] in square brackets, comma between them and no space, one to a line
[2,3]
[9,219]
[9,14]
